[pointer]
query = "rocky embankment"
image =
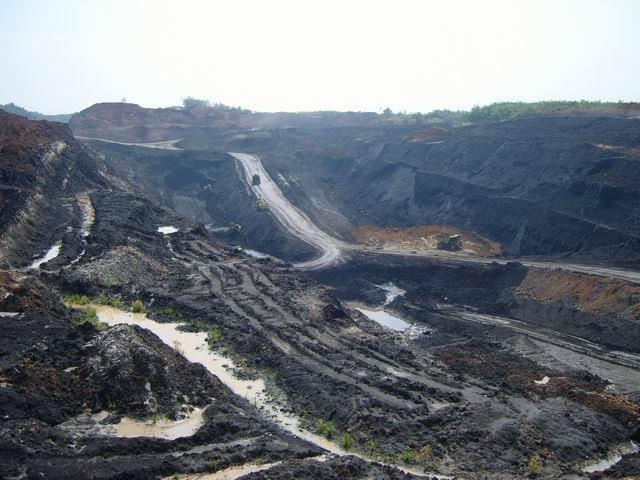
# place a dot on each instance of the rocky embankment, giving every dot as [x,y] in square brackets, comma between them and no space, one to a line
[42,170]
[207,188]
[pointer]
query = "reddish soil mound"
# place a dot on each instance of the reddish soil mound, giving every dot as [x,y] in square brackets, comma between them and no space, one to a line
[589,293]
[19,135]
[425,237]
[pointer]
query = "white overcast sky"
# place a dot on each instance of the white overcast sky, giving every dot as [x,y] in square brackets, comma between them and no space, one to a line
[63,56]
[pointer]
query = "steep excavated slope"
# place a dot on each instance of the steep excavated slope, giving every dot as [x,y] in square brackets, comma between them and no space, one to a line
[42,170]
[550,185]
[541,186]
[538,186]
[204,187]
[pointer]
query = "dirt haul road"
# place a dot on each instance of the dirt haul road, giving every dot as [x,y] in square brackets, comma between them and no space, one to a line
[293,219]
[331,248]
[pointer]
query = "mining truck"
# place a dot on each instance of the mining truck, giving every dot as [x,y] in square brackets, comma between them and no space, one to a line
[453,243]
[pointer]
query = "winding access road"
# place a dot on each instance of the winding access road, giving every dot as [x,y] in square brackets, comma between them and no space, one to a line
[292,218]
[332,249]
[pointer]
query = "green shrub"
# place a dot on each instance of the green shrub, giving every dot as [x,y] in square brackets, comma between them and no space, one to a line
[212,464]
[326,428]
[138,307]
[409,455]
[77,299]
[347,441]
[535,464]
[169,311]
[116,303]
[91,316]
[214,336]
[102,300]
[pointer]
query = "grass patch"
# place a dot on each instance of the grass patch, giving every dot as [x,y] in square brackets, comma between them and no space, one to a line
[423,457]
[109,301]
[90,316]
[214,336]
[534,465]
[116,303]
[138,307]
[170,311]
[409,455]
[77,299]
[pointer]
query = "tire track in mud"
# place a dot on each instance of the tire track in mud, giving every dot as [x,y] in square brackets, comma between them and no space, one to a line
[591,356]
[273,321]
[256,301]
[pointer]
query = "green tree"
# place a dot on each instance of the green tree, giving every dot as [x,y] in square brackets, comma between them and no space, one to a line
[347,441]
[190,103]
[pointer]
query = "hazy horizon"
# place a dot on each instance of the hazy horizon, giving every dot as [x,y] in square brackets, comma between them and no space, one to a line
[293,56]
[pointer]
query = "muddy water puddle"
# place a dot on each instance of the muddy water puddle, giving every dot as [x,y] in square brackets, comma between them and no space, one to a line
[543,381]
[230,473]
[390,321]
[194,347]
[167,230]
[385,319]
[130,427]
[255,253]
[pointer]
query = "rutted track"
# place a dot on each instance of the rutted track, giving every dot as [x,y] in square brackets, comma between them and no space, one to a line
[620,368]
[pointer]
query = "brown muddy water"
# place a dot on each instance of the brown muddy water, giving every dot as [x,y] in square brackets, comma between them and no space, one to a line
[194,347]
